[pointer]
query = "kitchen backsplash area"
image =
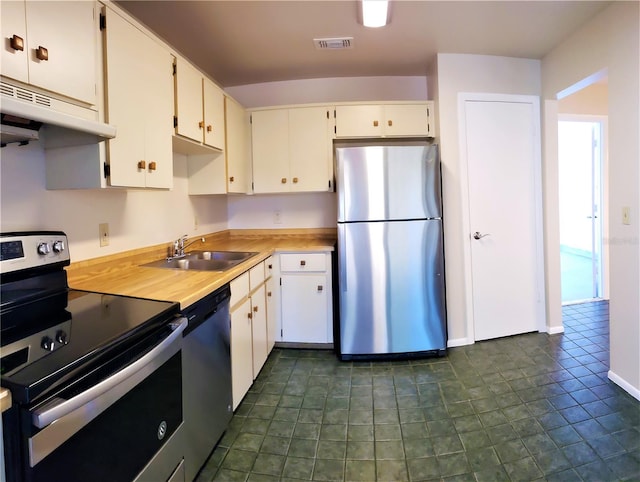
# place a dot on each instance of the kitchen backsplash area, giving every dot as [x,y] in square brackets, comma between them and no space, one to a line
[137,218]
[282,211]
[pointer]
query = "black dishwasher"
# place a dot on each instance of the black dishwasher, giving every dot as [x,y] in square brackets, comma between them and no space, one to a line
[206,377]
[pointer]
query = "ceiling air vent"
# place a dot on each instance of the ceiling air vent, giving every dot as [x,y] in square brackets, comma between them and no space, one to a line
[333,43]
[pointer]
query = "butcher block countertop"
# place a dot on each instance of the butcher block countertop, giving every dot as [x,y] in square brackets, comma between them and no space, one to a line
[122,273]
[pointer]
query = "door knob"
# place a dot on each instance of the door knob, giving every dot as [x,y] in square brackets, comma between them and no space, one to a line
[477,235]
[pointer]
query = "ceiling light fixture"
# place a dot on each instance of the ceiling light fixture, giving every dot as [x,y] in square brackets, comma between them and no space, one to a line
[375,13]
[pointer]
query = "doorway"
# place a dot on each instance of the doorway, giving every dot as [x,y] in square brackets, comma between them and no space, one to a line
[581,143]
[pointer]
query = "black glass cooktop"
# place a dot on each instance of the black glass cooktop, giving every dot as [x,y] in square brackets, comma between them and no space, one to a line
[45,341]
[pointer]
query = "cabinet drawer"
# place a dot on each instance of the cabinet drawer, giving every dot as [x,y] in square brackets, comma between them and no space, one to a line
[239,289]
[256,276]
[300,262]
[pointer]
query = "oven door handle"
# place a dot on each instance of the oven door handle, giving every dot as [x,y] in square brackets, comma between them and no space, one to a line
[48,413]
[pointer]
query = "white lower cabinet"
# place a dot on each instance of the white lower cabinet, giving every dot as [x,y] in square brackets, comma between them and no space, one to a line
[272,312]
[241,351]
[306,300]
[249,334]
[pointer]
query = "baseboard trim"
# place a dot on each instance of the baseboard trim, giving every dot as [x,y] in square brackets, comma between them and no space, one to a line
[458,342]
[555,330]
[626,386]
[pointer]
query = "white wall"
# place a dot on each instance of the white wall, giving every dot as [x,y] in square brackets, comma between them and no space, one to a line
[468,73]
[609,42]
[338,89]
[313,210]
[303,210]
[592,100]
[137,218]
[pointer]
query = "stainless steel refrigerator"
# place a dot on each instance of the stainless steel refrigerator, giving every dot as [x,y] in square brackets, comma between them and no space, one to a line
[390,250]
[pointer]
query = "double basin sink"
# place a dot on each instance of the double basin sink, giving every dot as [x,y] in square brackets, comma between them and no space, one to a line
[204,260]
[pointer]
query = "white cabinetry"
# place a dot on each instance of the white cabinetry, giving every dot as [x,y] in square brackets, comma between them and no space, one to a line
[306,297]
[291,149]
[52,45]
[238,147]
[273,301]
[241,350]
[199,106]
[249,333]
[385,120]
[140,105]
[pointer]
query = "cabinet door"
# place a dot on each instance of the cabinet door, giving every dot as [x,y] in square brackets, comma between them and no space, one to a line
[272,313]
[405,120]
[213,100]
[189,101]
[14,62]
[270,150]
[158,116]
[304,308]
[259,329]
[68,30]
[140,106]
[237,147]
[359,121]
[241,352]
[310,148]
[124,52]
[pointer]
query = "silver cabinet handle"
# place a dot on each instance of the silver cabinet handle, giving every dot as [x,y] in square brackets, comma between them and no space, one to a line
[477,235]
[47,414]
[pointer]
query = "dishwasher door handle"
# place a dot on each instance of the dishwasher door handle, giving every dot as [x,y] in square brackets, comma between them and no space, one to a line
[58,408]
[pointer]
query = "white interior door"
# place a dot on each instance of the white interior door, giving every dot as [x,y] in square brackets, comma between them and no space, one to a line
[501,144]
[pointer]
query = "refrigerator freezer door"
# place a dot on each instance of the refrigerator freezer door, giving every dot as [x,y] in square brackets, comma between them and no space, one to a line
[388,182]
[391,277]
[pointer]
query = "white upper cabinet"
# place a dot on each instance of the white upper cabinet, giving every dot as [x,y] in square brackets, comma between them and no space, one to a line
[213,105]
[291,149]
[199,107]
[385,120]
[238,148]
[52,45]
[310,149]
[140,105]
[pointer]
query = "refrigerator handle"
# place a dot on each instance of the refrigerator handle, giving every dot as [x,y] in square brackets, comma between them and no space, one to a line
[342,249]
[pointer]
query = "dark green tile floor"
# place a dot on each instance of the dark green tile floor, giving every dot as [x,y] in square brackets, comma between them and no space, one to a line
[527,407]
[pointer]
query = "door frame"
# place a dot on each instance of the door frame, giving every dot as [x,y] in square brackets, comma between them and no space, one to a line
[604,191]
[464,97]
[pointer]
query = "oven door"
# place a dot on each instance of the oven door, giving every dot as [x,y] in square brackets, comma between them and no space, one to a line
[121,422]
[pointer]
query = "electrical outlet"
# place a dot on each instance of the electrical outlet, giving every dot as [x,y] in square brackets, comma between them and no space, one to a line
[195,223]
[626,215]
[277,217]
[103,229]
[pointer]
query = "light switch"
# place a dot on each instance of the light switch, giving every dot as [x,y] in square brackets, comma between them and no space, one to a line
[626,215]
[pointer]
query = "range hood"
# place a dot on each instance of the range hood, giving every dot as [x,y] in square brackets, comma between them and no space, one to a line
[24,113]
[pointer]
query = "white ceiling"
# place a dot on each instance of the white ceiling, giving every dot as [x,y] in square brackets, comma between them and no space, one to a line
[242,42]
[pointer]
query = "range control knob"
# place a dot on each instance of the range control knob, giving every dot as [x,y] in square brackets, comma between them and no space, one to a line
[62,337]
[58,246]
[44,248]
[47,343]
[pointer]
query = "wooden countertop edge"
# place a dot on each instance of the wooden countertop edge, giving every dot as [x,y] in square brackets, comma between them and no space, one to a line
[122,273]
[5,399]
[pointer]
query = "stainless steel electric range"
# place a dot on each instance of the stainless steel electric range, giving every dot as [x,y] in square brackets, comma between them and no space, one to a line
[95,379]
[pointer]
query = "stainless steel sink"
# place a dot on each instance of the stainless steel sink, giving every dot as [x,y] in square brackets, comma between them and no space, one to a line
[204,261]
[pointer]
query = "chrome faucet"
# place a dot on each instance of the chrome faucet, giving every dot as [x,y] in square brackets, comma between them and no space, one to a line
[179,246]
